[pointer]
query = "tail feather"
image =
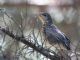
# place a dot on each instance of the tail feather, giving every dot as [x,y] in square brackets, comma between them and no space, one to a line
[67,43]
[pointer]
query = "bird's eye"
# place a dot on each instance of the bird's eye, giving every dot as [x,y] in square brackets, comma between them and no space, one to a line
[45,15]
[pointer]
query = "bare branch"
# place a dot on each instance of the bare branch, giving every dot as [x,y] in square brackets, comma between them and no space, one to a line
[46,52]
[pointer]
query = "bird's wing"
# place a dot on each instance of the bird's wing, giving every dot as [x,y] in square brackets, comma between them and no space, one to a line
[58,35]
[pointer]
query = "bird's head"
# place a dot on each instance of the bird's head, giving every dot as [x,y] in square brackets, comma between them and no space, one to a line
[45,18]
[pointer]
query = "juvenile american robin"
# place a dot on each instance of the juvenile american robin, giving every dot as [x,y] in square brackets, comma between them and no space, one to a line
[52,33]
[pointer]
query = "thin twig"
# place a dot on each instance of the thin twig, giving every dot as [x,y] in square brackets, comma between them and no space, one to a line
[38,48]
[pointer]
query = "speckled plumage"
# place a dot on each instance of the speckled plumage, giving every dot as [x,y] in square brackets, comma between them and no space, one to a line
[53,34]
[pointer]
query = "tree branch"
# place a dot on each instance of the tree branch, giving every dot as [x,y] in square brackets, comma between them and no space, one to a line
[39,48]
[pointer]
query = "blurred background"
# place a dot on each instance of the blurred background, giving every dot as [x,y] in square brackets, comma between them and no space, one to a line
[20,17]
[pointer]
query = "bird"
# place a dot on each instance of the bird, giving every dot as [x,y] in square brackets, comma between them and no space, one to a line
[52,32]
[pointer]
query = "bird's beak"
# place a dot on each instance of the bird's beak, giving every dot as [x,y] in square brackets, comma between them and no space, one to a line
[41,18]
